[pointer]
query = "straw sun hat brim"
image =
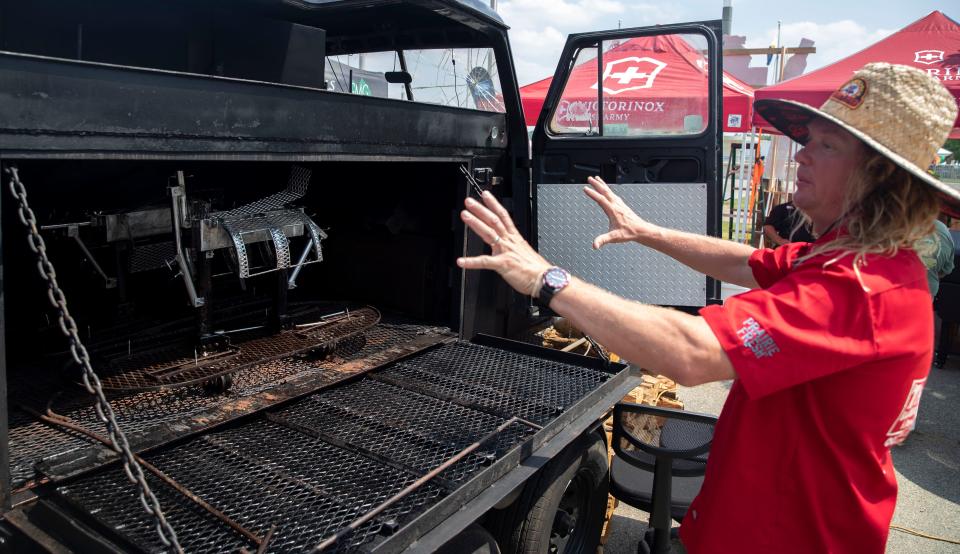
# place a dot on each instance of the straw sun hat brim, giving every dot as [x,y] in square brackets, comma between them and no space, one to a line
[791,118]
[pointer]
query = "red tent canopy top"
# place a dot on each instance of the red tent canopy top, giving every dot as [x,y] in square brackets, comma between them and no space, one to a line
[931,44]
[650,84]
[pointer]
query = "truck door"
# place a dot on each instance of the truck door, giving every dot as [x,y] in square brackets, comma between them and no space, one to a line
[640,108]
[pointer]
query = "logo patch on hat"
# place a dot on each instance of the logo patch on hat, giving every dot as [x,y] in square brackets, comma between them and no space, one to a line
[851,94]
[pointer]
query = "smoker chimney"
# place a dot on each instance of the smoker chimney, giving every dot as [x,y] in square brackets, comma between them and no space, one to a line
[727,16]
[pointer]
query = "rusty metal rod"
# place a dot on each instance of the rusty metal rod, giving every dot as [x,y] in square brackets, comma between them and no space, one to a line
[266,540]
[53,418]
[357,523]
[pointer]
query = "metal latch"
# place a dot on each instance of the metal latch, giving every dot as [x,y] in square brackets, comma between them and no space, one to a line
[485,178]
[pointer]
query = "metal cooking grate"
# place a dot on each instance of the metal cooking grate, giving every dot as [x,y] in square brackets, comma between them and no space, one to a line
[110,499]
[177,366]
[140,412]
[504,383]
[315,466]
[260,475]
[416,431]
[31,441]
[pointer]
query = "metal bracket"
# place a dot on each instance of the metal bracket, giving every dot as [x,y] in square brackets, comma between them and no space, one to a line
[74,231]
[316,235]
[178,201]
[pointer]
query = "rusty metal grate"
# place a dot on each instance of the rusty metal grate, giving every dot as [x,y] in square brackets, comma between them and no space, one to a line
[177,366]
[140,413]
[500,382]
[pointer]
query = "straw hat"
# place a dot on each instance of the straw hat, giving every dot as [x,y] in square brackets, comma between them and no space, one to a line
[897,110]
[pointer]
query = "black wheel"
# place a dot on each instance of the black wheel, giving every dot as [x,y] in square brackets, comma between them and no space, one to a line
[561,510]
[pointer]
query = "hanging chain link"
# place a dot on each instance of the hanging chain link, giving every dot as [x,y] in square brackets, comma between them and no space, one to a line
[118,440]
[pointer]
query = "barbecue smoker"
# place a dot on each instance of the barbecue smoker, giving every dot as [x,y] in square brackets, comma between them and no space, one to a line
[258,339]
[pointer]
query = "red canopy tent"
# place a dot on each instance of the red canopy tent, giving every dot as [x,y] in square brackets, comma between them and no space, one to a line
[931,44]
[649,82]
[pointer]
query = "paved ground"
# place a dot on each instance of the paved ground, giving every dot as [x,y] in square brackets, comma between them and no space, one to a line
[928,470]
[927,465]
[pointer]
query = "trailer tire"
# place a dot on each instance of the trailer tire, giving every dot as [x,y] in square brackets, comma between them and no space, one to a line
[560,510]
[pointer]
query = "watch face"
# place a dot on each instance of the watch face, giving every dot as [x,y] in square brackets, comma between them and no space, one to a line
[556,278]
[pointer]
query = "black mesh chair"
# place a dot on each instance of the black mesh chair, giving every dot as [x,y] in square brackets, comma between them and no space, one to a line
[662,472]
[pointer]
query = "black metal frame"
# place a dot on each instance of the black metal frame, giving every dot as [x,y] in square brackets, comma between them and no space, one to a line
[5,484]
[42,118]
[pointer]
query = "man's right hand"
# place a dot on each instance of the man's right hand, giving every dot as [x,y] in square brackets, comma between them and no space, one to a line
[625,225]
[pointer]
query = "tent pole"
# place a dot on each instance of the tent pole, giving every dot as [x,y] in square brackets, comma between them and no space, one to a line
[737,194]
[740,187]
[745,192]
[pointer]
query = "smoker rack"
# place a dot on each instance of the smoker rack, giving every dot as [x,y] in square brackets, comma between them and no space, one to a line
[181,365]
[308,470]
[39,451]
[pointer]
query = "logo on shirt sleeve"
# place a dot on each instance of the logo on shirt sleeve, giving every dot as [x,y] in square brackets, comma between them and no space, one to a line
[757,339]
[907,419]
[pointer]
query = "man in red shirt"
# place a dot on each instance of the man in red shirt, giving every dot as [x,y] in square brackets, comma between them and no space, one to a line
[831,347]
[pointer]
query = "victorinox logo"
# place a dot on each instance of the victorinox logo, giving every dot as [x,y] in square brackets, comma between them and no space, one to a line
[635,73]
[928,57]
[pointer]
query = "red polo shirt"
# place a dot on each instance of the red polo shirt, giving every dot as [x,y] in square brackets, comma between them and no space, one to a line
[830,368]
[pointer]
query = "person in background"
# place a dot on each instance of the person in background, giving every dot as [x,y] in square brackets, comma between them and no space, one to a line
[936,251]
[784,225]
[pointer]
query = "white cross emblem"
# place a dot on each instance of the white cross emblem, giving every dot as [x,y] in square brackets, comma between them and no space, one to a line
[928,57]
[644,70]
[632,72]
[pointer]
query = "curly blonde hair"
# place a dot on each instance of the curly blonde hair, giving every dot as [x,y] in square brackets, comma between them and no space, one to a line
[887,208]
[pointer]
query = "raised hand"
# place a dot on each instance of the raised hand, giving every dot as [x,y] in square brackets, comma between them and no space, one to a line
[625,225]
[512,257]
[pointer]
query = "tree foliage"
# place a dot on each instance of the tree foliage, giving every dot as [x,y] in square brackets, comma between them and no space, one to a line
[953,145]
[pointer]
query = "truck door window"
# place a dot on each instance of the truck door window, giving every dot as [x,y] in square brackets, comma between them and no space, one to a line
[651,86]
[456,77]
[576,112]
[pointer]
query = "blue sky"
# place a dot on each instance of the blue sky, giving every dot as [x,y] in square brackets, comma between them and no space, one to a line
[838,28]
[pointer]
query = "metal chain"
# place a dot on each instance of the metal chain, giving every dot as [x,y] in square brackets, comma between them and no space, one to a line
[118,440]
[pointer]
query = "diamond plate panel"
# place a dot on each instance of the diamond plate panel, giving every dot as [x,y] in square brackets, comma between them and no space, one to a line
[568,221]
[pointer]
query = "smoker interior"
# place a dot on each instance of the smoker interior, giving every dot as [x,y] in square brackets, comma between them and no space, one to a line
[392,237]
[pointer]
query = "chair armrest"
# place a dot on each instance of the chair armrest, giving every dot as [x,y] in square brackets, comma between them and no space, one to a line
[659,451]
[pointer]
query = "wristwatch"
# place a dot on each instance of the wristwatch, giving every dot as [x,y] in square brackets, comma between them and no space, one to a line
[553,281]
